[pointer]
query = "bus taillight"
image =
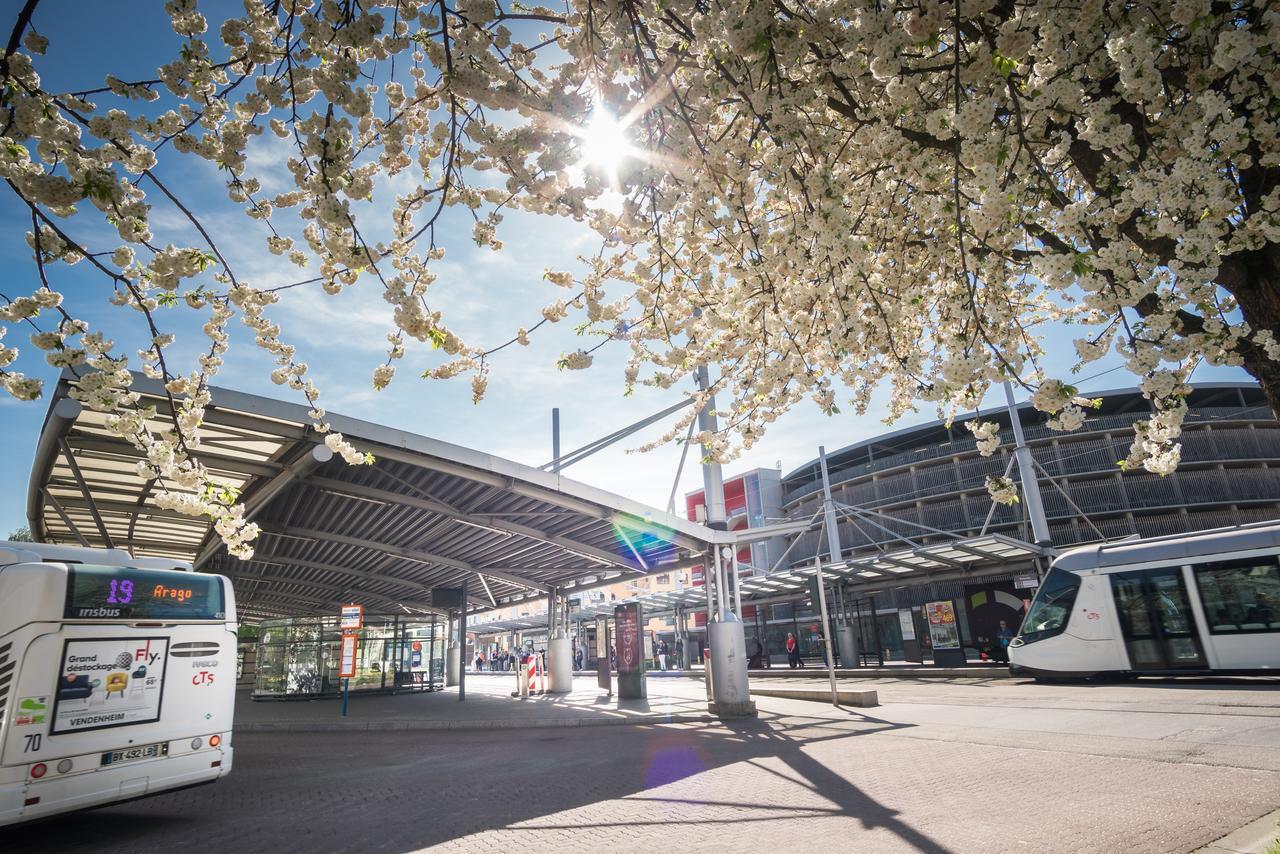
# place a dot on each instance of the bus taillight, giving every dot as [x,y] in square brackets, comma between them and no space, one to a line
[38,770]
[215,740]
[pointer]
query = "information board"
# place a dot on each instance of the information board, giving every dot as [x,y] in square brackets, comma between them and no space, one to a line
[604,676]
[109,682]
[907,625]
[352,618]
[347,661]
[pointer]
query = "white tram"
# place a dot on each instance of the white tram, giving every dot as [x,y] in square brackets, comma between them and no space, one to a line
[1196,603]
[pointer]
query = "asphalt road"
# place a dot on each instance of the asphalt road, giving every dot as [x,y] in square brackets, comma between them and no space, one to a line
[938,767]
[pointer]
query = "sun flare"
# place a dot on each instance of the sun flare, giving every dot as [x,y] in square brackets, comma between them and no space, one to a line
[605,144]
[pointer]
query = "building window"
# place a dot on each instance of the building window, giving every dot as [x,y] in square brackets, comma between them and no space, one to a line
[1241,596]
[665,578]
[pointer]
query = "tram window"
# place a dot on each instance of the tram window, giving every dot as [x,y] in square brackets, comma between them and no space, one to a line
[1051,609]
[1241,596]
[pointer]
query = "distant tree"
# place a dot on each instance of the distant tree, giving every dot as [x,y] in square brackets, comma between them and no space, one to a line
[21,535]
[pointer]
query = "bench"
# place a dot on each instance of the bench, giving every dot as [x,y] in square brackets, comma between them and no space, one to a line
[417,680]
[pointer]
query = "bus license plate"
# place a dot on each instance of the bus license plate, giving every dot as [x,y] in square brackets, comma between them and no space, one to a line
[130,754]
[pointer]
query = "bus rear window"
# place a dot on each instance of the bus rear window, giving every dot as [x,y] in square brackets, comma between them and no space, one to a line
[128,593]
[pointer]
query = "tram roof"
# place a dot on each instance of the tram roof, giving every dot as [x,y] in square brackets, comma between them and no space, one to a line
[426,514]
[1196,544]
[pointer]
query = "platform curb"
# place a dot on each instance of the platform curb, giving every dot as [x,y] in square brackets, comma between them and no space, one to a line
[432,726]
[1253,838]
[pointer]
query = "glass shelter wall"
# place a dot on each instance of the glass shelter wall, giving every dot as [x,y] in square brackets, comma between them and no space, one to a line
[299,656]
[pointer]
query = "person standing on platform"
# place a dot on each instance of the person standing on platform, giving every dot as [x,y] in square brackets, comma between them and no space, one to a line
[793,652]
[1004,635]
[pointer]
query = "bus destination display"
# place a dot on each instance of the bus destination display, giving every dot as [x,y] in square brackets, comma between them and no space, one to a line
[116,593]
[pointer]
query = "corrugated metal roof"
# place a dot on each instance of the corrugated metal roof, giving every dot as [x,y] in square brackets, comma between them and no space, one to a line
[425,514]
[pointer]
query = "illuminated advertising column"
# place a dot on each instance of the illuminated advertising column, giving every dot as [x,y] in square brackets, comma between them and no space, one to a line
[629,637]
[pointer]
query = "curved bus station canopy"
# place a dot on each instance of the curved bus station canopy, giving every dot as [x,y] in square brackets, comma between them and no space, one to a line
[426,514]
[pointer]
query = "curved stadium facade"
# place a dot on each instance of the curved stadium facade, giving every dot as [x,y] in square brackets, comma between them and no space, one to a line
[933,477]
[926,485]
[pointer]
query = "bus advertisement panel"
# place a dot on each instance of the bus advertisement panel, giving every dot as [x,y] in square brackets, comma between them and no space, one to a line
[108,682]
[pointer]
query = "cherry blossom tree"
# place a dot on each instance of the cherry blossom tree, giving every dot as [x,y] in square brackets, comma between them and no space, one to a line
[817,198]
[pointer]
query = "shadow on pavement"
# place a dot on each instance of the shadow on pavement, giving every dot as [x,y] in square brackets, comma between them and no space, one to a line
[401,791]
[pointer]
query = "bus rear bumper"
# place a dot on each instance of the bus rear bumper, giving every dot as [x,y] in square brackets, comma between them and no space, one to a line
[26,800]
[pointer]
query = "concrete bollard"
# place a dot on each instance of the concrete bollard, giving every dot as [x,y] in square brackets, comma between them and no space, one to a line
[559,666]
[452,663]
[522,681]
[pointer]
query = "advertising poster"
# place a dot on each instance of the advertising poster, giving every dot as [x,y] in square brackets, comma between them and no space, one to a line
[108,682]
[942,625]
[630,651]
[629,639]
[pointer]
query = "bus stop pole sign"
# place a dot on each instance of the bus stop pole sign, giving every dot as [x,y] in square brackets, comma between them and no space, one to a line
[350,620]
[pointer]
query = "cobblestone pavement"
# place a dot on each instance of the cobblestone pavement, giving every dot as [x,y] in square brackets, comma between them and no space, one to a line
[950,767]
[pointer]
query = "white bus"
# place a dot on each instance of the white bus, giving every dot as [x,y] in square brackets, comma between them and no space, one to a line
[1196,603]
[117,678]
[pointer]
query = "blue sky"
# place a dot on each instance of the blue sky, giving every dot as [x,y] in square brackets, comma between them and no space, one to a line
[484,295]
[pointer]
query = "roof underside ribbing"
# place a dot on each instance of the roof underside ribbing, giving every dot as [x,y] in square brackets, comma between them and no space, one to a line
[425,514]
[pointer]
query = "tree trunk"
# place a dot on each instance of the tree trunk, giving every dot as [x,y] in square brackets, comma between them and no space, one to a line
[1260,305]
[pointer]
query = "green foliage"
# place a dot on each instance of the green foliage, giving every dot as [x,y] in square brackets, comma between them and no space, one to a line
[21,535]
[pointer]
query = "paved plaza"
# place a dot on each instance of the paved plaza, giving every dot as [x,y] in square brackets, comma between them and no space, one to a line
[963,765]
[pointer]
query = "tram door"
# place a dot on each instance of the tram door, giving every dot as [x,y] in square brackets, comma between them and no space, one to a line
[1156,620]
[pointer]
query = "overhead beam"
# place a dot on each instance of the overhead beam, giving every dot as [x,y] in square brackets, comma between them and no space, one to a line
[259,497]
[127,508]
[529,490]
[342,591]
[233,567]
[66,520]
[84,490]
[432,505]
[754,535]
[402,552]
[100,445]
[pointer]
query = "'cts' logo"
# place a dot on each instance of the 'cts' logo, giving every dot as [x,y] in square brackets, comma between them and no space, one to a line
[204,677]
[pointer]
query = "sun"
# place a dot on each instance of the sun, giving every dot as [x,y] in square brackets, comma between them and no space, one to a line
[605,144]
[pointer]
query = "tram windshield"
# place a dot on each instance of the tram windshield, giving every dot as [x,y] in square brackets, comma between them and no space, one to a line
[1051,609]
